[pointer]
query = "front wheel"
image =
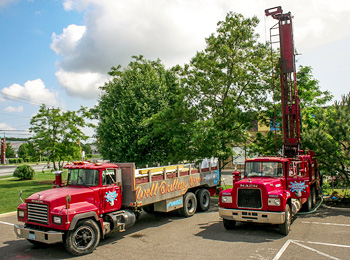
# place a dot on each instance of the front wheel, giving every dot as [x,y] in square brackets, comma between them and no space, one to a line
[84,238]
[229,224]
[285,227]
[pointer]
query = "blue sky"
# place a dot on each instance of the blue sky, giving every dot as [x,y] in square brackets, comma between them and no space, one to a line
[59,52]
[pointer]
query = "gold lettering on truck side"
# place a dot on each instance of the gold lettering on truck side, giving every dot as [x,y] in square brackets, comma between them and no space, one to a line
[164,188]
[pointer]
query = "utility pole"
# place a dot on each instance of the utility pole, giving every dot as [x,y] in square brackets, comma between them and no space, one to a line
[2,149]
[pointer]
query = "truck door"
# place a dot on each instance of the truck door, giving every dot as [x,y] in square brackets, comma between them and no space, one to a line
[298,180]
[111,194]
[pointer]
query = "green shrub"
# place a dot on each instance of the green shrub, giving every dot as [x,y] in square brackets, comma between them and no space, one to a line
[19,160]
[12,160]
[24,172]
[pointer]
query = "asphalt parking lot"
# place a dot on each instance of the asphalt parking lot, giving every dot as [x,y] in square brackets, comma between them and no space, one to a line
[323,234]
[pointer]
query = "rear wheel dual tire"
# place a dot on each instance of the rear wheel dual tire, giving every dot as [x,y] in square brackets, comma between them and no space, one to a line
[203,200]
[189,205]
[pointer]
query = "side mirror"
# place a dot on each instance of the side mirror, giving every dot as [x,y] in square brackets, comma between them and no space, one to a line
[20,197]
[236,176]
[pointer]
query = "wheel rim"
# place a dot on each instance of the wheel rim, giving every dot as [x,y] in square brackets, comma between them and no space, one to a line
[83,237]
[205,200]
[190,206]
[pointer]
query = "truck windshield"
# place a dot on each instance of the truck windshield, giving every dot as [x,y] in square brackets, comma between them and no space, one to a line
[83,177]
[273,169]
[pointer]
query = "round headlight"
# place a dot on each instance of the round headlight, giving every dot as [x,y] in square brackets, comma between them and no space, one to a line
[223,199]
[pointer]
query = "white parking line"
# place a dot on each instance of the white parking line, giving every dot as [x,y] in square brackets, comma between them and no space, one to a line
[6,223]
[330,224]
[298,243]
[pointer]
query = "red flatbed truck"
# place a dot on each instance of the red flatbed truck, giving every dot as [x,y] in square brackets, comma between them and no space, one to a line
[275,188]
[100,198]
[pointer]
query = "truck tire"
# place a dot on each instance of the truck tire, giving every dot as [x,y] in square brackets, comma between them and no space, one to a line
[308,205]
[229,224]
[189,205]
[313,197]
[285,227]
[203,200]
[84,238]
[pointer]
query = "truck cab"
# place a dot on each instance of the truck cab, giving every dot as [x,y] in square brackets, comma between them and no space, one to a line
[272,190]
[78,213]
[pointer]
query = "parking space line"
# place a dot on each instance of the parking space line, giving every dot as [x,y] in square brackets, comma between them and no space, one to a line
[6,223]
[330,224]
[298,243]
[316,251]
[284,247]
[327,244]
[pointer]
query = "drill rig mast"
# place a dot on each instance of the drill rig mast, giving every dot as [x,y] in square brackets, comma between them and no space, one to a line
[291,121]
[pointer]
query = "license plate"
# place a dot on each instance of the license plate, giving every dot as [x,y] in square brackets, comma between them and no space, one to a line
[31,236]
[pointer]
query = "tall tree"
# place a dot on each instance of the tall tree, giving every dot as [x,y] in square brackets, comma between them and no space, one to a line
[227,84]
[128,102]
[329,138]
[58,133]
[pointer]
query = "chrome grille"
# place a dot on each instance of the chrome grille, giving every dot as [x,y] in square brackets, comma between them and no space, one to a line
[249,198]
[38,213]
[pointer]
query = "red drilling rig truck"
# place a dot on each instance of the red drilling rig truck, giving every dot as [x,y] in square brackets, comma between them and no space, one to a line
[100,198]
[274,189]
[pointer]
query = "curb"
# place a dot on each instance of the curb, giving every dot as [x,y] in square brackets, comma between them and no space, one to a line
[8,214]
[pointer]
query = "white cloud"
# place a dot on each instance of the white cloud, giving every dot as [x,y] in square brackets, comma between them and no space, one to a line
[33,91]
[4,126]
[14,109]
[173,31]
[4,3]
[83,84]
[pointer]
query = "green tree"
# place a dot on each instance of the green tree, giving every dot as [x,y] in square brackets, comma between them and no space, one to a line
[58,133]
[127,103]
[23,151]
[227,84]
[329,138]
[86,148]
[9,152]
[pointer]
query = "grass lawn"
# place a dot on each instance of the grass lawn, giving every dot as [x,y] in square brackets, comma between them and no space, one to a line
[10,187]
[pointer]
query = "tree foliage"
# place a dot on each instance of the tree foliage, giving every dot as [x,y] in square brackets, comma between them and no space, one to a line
[227,84]
[128,101]
[329,138]
[58,133]
[152,115]
[9,152]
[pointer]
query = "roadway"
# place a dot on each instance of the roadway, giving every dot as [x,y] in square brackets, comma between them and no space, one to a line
[317,236]
[7,170]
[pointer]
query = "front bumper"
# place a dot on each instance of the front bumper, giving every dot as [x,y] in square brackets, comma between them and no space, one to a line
[48,237]
[252,216]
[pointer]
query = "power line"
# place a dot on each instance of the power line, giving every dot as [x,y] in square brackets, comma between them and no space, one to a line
[25,100]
